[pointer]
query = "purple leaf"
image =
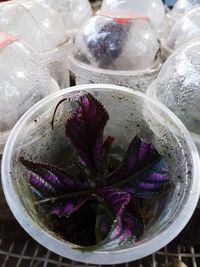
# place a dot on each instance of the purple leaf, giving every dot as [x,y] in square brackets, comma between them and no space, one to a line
[85,130]
[139,156]
[105,46]
[104,222]
[132,225]
[48,180]
[128,220]
[68,207]
[151,182]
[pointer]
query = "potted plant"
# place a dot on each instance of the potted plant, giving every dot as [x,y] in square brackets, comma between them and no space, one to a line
[93,176]
[116,47]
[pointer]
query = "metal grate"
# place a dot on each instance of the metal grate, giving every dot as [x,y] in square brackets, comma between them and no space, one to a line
[17,249]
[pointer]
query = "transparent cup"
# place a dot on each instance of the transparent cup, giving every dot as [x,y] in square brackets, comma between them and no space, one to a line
[154,9]
[186,29]
[73,13]
[53,87]
[152,92]
[116,47]
[34,138]
[43,29]
[5,211]
[24,80]
[138,80]
[180,8]
[56,61]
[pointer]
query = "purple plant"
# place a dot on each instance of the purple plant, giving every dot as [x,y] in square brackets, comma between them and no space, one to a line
[101,201]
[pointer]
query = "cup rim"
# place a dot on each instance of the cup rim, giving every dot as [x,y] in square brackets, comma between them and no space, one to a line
[83,68]
[98,257]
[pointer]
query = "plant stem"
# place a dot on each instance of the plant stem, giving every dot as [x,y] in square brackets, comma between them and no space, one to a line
[70,195]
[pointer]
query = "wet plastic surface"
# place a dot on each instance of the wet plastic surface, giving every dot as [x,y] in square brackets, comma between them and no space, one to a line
[187,28]
[73,12]
[43,29]
[177,85]
[24,81]
[118,42]
[154,9]
[181,7]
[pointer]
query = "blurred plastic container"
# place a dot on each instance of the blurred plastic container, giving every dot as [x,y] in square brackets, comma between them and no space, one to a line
[154,9]
[180,8]
[24,80]
[118,50]
[73,12]
[43,29]
[128,117]
[178,86]
[185,29]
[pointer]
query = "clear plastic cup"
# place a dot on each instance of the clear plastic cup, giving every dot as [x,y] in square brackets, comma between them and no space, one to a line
[24,80]
[73,12]
[116,49]
[177,85]
[137,80]
[152,92]
[185,29]
[181,7]
[43,29]
[129,116]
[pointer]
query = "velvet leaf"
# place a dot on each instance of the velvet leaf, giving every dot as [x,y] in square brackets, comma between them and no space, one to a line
[68,207]
[48,180]
[138,157]
[128,223]
[152,182]
[85,130]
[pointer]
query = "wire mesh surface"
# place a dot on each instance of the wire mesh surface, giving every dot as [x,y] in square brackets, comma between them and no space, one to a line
[17,249]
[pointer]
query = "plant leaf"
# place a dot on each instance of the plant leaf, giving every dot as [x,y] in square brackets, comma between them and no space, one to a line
[138,156]
[48,180]
[151,182]
[103,223]
[105,46]
[68,207]
[132,225]
[85,130]
[128,223]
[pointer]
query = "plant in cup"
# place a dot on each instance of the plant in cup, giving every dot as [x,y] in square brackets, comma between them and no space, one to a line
[96,197]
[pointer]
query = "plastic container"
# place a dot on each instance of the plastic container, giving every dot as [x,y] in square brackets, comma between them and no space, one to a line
[43,29]
[177,86]
[24,81]
[181,7]
[122,50]
[152,92]
[73,12]
[154,9]
[185,29]
[129,116]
